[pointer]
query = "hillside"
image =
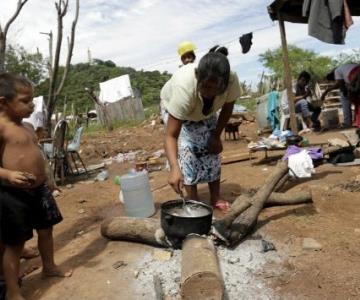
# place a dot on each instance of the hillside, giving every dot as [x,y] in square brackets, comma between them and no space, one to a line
[82,75]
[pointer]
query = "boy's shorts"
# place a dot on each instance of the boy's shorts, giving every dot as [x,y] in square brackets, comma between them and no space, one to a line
[23,210]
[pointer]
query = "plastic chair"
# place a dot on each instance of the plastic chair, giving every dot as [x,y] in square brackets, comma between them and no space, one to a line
[56,152]
[73,149]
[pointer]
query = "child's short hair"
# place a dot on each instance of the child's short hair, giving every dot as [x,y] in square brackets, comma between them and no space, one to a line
[9,84]
[305,75]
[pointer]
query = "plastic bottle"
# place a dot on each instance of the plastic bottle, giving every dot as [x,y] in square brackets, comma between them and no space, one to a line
[136,193]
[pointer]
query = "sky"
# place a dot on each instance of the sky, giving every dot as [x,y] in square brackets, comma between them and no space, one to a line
[144,34]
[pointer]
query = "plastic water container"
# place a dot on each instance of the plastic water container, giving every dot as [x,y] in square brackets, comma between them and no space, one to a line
[138,200]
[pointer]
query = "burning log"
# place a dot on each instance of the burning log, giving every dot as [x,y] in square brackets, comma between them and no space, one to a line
[200,272]
[141,230]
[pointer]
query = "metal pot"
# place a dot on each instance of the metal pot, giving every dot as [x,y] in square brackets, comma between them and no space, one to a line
[177,227]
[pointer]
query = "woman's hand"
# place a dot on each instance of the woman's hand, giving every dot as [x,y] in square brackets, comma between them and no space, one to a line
[214,144]
[176,180]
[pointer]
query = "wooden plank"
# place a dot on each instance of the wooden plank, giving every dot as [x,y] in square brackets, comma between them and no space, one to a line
[234,157]
[287,77]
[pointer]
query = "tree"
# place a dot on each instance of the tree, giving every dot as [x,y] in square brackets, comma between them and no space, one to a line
[344,58]
[30,65]
[300,60]
[4,32]
[56,85]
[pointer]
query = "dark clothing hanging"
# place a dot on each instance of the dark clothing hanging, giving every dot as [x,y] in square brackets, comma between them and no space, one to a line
[326,20]
[246,42]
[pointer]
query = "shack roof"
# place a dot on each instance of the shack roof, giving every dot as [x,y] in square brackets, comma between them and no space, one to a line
[291,10]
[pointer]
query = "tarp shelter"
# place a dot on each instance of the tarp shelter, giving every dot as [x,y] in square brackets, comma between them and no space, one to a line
[115,89]
[117,101]
[291,11]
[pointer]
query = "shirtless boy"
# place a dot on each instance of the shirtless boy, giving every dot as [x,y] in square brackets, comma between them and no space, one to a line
[26,202]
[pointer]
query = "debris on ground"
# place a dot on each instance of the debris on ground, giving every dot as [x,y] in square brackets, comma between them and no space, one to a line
[267,246]
[117,265]
[102,176]
[351,186]
[311,244]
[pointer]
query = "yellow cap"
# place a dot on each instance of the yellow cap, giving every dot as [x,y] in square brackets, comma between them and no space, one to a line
[185,47]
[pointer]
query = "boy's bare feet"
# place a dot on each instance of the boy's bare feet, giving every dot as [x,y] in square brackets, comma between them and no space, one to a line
[56,272]
[29,252]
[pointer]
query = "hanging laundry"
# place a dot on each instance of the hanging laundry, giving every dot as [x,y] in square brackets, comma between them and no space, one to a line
[348,21]
[246,42]
[328,19]
[273,114]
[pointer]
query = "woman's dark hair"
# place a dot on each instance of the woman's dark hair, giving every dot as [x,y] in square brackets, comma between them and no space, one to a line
[305,75]
[215,66]
[219,49]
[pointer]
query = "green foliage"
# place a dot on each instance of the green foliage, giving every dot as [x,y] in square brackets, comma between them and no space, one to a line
[300,60]
[250,103]
[84,75]
[30,65]
[344,58]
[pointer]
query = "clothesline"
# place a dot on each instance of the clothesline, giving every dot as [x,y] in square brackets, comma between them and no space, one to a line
[173,60]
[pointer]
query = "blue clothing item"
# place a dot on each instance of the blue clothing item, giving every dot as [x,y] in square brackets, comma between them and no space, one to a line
[273,110]
[196,163]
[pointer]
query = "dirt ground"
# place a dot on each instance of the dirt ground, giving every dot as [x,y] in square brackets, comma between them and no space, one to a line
[333,220]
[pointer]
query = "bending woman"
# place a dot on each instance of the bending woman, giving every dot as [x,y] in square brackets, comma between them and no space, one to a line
[192,98]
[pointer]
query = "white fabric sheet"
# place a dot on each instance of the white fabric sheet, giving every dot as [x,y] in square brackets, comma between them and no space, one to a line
[115,89]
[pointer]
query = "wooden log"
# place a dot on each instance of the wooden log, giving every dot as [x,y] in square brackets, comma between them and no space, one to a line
[278,199]
[222,227]
[282,182]
[141,230]
[246,221]
[200,272]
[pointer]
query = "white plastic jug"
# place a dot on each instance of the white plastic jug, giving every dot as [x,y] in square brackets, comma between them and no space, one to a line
[138,200]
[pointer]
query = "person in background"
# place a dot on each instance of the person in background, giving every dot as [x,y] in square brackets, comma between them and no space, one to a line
[186,51]
[192,98]
[341,75]
[309,112]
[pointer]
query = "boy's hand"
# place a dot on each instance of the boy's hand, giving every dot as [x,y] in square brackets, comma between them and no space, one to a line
[21,179]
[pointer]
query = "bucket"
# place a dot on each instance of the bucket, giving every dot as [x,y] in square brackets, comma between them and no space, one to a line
[138,200]
[330,118]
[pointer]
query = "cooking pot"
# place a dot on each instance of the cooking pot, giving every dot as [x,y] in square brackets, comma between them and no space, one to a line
[177,227]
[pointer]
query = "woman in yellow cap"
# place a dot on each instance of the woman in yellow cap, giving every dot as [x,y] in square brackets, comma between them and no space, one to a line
[192,98]
[186,51]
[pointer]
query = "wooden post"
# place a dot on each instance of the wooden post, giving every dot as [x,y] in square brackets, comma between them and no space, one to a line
[287,75]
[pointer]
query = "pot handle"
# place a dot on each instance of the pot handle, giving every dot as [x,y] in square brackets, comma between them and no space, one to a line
[169,220]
